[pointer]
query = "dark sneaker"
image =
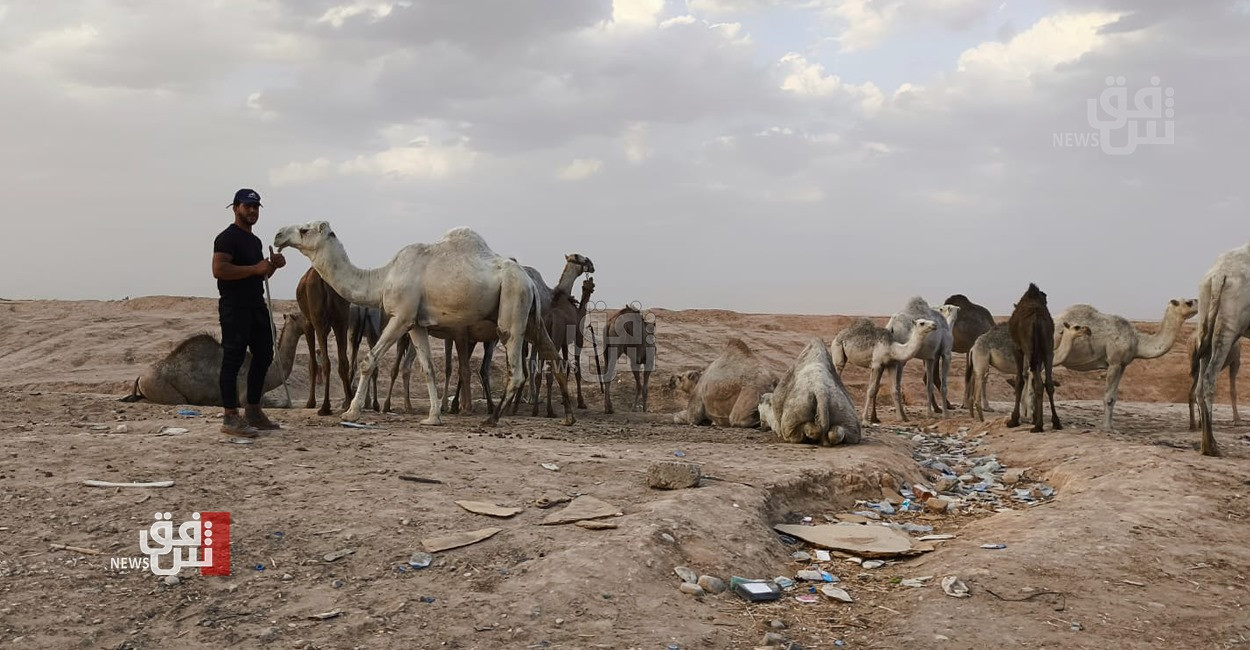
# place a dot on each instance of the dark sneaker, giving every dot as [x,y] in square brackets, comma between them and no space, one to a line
[259,420]
[235,425]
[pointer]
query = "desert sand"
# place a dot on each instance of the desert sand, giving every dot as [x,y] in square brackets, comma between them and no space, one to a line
[1144,541]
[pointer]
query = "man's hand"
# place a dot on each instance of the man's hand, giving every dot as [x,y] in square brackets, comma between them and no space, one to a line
[264,268]
[277,259]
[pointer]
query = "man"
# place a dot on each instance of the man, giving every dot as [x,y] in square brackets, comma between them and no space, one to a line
[241,268]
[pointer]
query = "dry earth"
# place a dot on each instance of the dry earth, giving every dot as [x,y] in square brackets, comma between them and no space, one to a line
[1145,539]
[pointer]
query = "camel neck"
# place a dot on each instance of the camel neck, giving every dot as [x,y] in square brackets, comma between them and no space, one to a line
[357,285]
[1153,346]
[567,277]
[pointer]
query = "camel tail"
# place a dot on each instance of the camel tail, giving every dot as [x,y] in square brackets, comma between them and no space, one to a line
[1206,321]
[134,395]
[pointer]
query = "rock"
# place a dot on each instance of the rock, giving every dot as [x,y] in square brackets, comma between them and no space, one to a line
[686,574]
[891,497]
[777,624]
[864,541]
[488,508]
[287,576]
[852,519]
[946,483]
[690,588]
[270,635]
[1014,475]
[673,475]
[836,593]
[872,564]
[773,639]
[583,507]
[172,580]
[938,506]
[712,584]
[121,428]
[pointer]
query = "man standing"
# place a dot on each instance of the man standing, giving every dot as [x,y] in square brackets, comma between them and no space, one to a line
[241,268]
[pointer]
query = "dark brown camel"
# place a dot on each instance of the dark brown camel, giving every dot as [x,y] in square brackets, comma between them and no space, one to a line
[564,322]
[324,310]
[1033,332]
[974,320]
[628,332]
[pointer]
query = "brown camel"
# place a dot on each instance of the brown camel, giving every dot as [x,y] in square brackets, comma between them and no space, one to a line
[1033,332]
[564,321]
[628,332]
[974,320]
[324,310]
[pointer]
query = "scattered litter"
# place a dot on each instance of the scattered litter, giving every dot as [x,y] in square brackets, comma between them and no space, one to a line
[338,555]
[993,546]
[154,484]
[801,556]
[679,453]
[427,599]
[868,541]
[487,508]
[456,540]
[823,555]
[936,538]
[595,525]
[915,582]
[1134,583]
[954,587]
[551,466]
[754,590]
[259,567]
[807,598]
[787,540]
[583,507]
[836,593]
[188,412]
[420,560]
[419,479]
[326,615]
[872,564]
[358,425]
[76,549]
[237,440]
[172,431]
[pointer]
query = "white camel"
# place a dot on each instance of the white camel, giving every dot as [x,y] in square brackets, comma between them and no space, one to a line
[1232,363]
[1223,318]
[810,403]
[936,350]
[1113,343]
[870,346]
[454,282]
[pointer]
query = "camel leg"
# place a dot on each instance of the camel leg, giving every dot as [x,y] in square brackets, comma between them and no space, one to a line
[1114,374]
[1232,393]
[1014,420]
[577,368]
[393,330]
[1055,424]
[633,367]
[968,391]
[945,387]
[547,352]
[464,388]
[1193,393]
[1221,345]
[311,336]
[898,391]
[340,339]
[323,353]
[399,360]
[930,367]
[610,355]
[870,403]
[1036,387]
[421,343]
[488,352]
[454,406]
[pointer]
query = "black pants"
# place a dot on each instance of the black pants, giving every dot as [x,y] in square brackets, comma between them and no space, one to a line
[244,327]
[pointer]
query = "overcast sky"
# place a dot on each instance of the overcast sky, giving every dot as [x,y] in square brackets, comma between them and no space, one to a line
[805,156]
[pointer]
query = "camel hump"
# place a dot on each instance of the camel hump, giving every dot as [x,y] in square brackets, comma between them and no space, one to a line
[737,346]
[463,237]
[195,344]
[917,303]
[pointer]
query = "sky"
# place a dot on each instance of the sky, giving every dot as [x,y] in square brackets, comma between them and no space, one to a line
[786,156]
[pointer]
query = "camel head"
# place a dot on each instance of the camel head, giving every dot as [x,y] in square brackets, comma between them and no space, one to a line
[950,313]
[582,261]
[1076,331]
[1034,293]
[1186,308]
[685,381]
[924,326]
[306,238]
[768,418]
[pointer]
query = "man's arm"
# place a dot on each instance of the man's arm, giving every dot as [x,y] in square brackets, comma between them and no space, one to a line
[224,269]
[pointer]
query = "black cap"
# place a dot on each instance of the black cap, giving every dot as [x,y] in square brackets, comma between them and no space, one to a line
[246,196]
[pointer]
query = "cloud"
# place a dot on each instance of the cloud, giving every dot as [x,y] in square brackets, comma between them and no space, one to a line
[336,16]
[298,173]
[419,161]
[580,169]
[635,143]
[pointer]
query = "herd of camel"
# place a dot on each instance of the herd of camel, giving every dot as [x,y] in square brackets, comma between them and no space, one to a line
[459,290]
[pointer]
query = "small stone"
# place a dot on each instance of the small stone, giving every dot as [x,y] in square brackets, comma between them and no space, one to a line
[692,589]
[1013,476]
[668,538]
[938,506]
[673,475]
[287,576]
[873,564]
[121,428]
[801,556]
[772,639]
[270,635]
[891,497]
[559,621]
[686,574]
[946,483]
[712,584]
[836,593]
[777,624]
[337,584]
[172,580]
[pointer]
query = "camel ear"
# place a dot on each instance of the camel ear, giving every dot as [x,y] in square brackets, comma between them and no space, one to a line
[322,226]
[1175,303]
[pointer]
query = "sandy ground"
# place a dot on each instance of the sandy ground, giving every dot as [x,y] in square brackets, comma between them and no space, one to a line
[1144,541]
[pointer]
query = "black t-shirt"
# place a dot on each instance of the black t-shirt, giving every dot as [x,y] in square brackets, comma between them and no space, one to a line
[244,249]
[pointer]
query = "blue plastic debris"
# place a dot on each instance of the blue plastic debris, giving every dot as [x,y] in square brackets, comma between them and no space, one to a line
[188,412]
[260,567]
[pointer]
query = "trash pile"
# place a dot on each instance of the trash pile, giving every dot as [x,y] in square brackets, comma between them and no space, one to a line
[968,482]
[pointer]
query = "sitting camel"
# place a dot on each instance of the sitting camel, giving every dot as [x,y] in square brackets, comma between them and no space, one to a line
[1033,334]
[627,332]
[1232,362]
[324,311]
[189,374]
[1224,317]
[994,349]
[1114,343]
[974,320]
[868,345]
[935,352]
[727,392]
[810,404]
[454,282]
